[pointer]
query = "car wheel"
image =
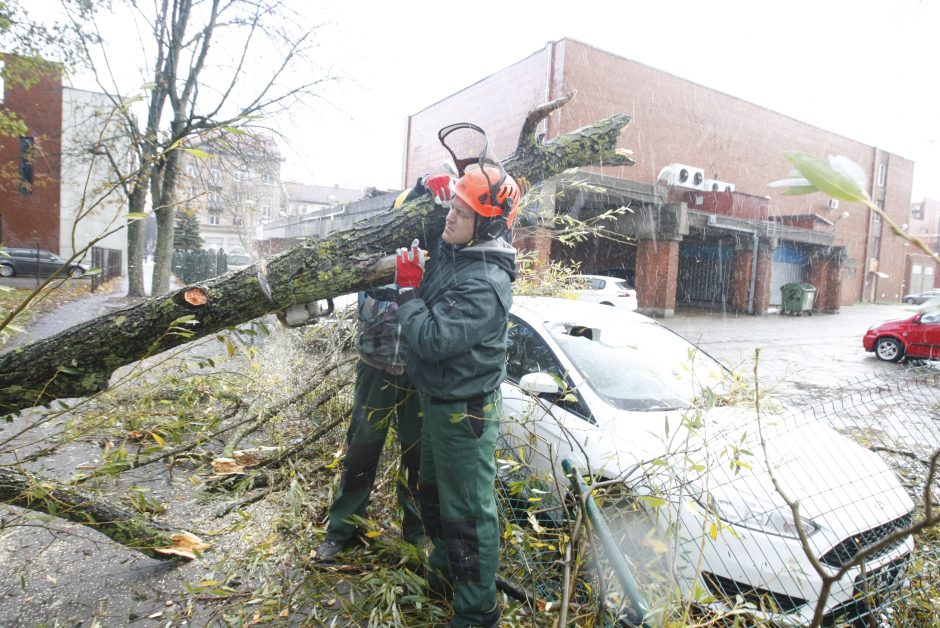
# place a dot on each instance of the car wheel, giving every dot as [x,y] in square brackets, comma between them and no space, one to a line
[606,303]
[908,300]
[889,349]
[76,272]
[6,271]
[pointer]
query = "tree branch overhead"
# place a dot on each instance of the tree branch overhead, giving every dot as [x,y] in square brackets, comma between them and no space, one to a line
[79,361]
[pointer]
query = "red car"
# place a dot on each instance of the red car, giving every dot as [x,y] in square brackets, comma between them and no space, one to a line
[915,337]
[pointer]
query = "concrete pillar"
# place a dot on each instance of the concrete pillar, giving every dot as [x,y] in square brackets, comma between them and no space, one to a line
[536,242]
[537,210]
[825,275]
[765,261]
[657,275]
[741,279]
[740,299]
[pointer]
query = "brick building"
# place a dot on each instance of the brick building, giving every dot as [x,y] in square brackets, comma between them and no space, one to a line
[57,189]
[924,224]
[719,238]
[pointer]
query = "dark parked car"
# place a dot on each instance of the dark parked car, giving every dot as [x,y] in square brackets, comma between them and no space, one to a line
[19,261]
[920,297]
[917,336]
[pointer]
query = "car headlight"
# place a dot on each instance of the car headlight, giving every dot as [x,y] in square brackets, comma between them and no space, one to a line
[748,511]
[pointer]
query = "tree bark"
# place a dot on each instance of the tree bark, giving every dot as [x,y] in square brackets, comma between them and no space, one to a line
[121,524]
[135,249]
[79,361]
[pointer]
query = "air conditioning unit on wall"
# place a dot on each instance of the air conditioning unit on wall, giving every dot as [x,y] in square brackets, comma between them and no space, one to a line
[714,185]
[682,175]
[833,203]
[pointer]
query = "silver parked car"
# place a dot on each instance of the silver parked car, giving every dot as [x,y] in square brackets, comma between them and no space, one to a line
[920,297]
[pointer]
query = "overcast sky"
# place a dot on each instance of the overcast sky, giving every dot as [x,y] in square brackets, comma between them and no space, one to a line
[863,68]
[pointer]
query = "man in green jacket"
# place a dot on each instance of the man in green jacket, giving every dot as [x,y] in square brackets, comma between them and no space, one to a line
[455,322]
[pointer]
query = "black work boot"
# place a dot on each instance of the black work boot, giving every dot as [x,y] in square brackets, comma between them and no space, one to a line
[328,549]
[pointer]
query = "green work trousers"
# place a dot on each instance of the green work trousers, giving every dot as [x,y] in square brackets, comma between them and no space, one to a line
[458,502]
[381,399]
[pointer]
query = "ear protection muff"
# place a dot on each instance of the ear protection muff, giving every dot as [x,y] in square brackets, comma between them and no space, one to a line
[492,228]
[496,226]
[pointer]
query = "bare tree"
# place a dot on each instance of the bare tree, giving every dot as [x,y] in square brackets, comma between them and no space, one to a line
[200,53]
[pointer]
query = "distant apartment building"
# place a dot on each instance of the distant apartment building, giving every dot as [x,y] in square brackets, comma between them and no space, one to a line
[59,190]
[923,224]
[233,185]
[721,237]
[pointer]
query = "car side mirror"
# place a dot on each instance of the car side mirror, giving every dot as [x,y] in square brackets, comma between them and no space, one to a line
[539,383]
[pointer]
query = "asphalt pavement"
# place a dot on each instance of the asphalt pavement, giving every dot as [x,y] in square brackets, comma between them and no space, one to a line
[796,353]
[83,309]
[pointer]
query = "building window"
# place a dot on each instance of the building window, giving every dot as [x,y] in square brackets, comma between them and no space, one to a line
[215,201]
[266,210]
[882,170]
[214,219]
[26,165]
[917,211]
[191,169]
[215,176]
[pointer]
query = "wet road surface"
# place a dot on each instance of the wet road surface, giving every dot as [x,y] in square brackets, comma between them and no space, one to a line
[796,352]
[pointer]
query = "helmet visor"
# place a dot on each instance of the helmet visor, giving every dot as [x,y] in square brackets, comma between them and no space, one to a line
[468,146]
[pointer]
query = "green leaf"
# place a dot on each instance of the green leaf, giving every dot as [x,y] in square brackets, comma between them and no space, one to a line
[195,152]
[136,215]
[838,178]
[653,502]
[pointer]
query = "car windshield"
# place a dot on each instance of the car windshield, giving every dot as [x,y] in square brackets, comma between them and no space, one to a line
[640,366]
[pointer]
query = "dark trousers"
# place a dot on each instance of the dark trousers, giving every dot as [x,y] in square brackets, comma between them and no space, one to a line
[381,399]
[458,503]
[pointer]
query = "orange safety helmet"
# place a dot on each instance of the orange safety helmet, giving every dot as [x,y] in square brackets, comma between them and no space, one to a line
[490,192]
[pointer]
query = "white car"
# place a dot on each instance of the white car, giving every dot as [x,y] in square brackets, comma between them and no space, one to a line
[606,291]
[625,398]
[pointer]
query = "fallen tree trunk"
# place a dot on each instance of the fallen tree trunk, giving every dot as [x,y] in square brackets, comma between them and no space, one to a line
[120,524]
[79,361]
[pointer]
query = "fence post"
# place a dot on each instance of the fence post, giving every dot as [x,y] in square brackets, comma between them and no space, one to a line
[612,549]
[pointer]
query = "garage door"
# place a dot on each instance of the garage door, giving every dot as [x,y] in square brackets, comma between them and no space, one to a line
[705,274]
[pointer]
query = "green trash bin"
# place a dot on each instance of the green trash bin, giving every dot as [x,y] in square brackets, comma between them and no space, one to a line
[798,298]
